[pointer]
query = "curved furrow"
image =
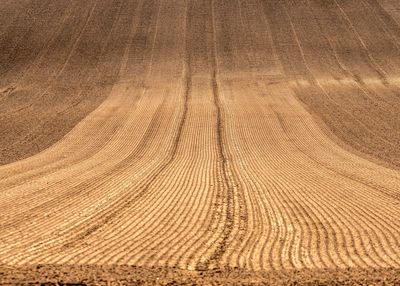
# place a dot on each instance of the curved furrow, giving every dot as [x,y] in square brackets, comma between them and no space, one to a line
[313,144]
[353,227]
[102,113]
[282,202]
[89,201]
[301,199]
[115,170]
[166,201]
[40,75]
[89,80]
[218,139]
[299,261]
[105,118]
[186,93]
[384,195]
[166,235]
[320,86]
[315,101]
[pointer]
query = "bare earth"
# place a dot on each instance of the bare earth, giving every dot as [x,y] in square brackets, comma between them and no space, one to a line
[207,141]
[136,275]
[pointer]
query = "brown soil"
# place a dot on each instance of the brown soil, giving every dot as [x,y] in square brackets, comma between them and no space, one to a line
[58,62]
[62,65]
[136,275]
[347,56]
[200,135]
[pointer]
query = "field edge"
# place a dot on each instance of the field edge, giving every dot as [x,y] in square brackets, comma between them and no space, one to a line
[136,275]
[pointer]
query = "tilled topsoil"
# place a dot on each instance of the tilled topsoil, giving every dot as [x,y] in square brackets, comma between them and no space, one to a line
[134,275]
[183,136]
[60,60]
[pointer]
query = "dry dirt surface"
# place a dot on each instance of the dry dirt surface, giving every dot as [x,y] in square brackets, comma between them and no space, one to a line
[67,275]
[200,142]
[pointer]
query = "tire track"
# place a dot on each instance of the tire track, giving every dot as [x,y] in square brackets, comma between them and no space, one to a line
[229,183]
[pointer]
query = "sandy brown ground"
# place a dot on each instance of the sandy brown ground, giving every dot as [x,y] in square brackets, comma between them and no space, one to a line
[347,56]
[256,135]
[135,275]
[56,70]
[58,62]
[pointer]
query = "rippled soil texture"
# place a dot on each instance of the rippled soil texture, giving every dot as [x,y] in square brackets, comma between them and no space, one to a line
[234,140]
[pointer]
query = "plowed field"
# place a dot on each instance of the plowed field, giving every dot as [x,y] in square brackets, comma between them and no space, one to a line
[209,141]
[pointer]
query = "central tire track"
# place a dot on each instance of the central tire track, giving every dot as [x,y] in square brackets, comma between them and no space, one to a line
[229,187]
